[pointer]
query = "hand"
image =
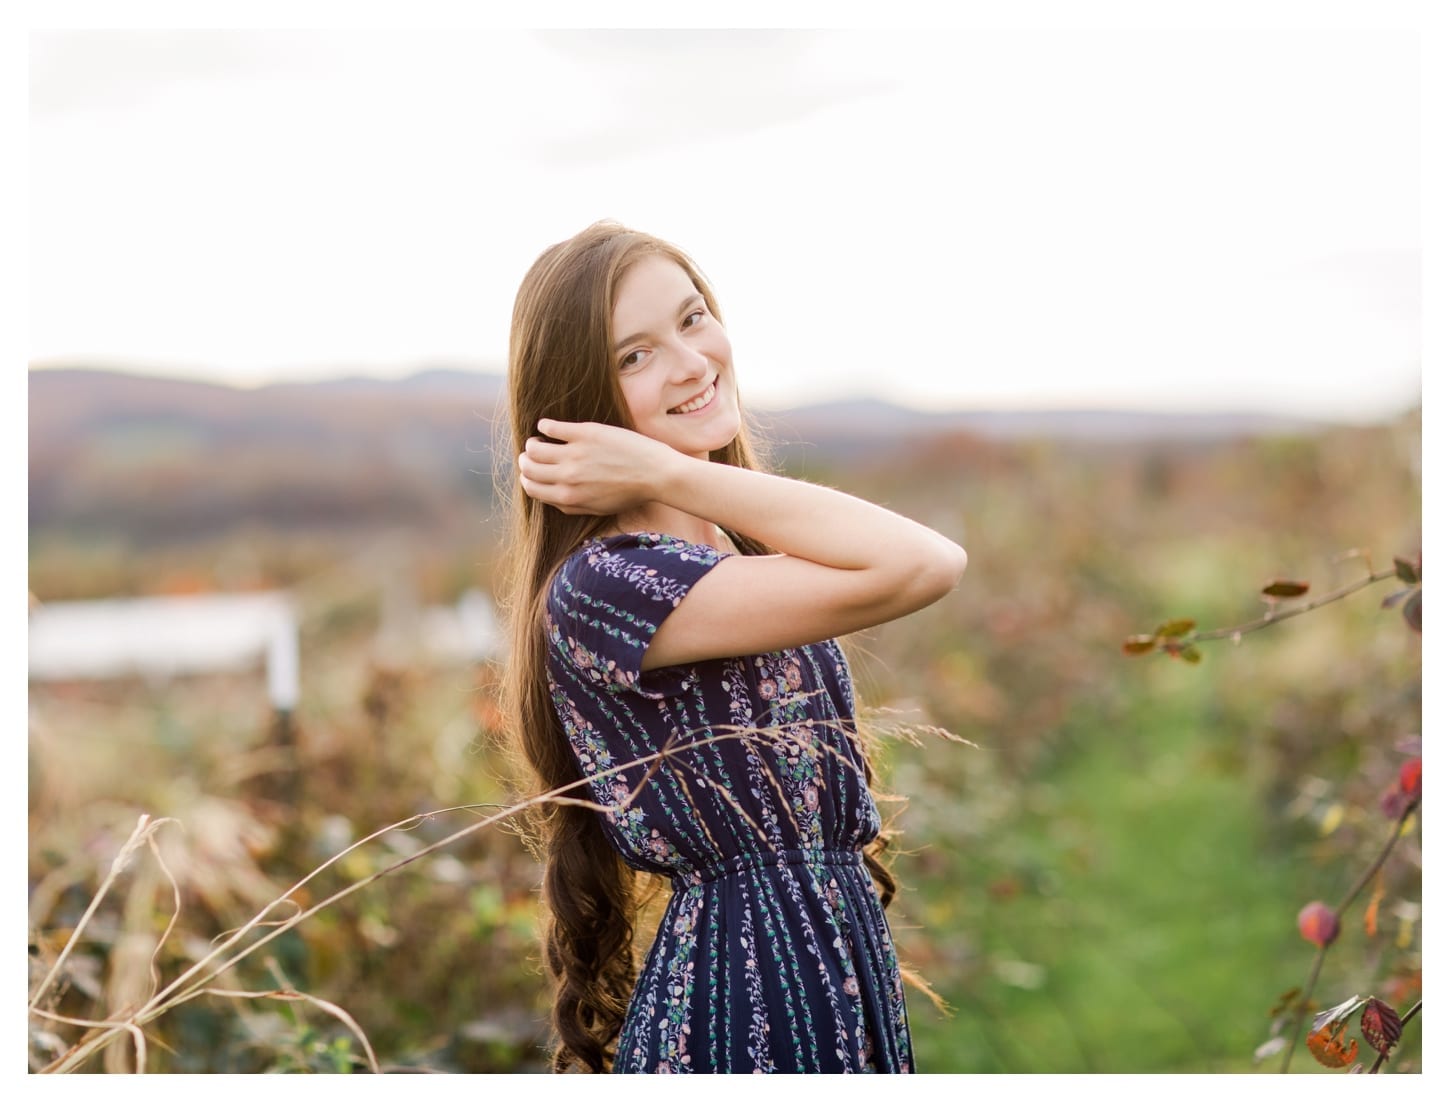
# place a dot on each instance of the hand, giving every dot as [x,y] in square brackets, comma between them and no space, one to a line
[597,470]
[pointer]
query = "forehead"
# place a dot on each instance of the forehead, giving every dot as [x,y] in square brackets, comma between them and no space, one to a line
[653,285]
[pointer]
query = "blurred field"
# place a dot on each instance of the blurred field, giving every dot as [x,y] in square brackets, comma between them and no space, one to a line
[1106,882]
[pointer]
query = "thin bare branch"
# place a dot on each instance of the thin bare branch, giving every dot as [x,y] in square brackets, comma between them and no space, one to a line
[1278,613]
[1385,851]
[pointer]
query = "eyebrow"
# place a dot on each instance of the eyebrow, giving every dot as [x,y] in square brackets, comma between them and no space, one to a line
[619,344]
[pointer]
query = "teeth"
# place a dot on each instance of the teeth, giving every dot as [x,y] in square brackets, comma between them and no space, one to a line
[698,403]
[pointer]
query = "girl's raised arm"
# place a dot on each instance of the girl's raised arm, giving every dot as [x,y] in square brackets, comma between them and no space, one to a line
[844,564]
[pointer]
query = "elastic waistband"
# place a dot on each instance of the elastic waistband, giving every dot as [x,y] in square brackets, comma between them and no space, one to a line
[771,859]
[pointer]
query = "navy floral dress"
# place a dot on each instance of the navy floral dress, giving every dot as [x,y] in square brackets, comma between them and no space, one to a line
[774,953]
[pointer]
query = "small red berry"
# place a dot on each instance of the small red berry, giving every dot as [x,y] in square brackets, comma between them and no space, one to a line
[1410,778]
[1318,924]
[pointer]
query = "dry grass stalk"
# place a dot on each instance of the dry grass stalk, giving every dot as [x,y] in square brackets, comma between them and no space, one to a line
[141,835]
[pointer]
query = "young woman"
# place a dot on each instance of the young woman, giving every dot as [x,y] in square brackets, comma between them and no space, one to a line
[671,596]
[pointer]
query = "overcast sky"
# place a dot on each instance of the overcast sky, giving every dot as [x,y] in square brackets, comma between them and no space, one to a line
[1167,220]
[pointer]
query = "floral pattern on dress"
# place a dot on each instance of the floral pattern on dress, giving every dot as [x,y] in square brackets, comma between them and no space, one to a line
[630,823]
[773,953]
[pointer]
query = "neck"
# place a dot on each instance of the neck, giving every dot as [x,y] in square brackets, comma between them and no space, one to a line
[670,521]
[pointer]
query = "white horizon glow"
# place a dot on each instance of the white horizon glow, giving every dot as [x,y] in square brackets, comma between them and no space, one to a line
[1132,220]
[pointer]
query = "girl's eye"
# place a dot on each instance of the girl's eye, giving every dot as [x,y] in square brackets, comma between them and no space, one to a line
[634,359]
[695,317]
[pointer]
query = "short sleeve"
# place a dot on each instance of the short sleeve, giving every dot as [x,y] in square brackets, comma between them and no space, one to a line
[610,597]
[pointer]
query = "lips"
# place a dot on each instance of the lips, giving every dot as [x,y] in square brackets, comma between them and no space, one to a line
[700,401]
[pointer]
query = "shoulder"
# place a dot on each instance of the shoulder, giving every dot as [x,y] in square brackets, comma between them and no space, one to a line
[652,565]
[610,597]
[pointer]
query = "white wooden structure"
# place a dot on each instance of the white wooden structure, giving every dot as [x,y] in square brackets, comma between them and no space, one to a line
[168,636]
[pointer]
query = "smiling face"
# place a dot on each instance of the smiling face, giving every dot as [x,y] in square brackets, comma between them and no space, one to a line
[673,359]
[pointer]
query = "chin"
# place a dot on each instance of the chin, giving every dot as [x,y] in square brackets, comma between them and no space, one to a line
[724,438]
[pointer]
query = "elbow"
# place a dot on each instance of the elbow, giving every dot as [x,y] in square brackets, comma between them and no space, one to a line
[919,573]
[959,564]
[948,566]
[936,573]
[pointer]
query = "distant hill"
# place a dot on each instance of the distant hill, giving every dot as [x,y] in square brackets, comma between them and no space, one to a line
[164,459]
[872,419]
[161,459]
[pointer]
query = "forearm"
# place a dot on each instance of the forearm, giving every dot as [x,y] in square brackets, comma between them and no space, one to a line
[609,471]
[807,521]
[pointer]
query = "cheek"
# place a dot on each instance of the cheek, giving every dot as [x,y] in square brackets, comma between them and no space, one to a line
[637,398]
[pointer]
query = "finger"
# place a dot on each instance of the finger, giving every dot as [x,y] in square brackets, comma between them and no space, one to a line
[535,471]
[545,495]
[561,430]
[539,491]
[541,451]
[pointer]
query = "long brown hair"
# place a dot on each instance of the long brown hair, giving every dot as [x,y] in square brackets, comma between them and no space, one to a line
[560,367]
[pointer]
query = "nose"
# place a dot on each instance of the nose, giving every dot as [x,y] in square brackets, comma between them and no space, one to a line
[688,363]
